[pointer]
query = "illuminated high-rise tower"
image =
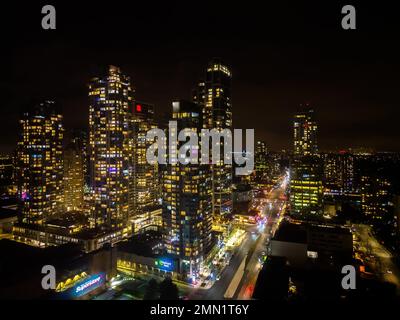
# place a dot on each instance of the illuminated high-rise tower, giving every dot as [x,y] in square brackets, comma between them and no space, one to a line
[214,97]
[110,96]
[261,160]
[306,173]
[187,197]
[144,185]
[305,133]
[306,189]
[217,109]
[40,163]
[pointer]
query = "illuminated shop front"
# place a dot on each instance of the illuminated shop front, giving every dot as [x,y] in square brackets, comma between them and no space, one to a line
[131,264]
[81,286]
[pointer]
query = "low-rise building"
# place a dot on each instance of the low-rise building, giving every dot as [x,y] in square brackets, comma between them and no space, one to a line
[307,245]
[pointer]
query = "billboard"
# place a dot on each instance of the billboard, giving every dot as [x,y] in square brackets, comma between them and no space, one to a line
[87,285]
[165,264]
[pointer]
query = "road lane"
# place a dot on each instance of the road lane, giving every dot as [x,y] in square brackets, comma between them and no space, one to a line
[252,245]
[253,267]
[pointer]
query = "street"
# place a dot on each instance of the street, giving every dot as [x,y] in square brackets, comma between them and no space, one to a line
[253,265]
[377,256]
[238,278]
[251,249]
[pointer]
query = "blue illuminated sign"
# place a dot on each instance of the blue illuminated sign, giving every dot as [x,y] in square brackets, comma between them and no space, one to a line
[165,264]
[88,285]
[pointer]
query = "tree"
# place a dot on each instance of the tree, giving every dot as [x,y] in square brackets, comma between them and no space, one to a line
[152,290]
[168,290]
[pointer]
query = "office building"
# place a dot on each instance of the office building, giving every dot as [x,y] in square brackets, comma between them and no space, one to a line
[306,189]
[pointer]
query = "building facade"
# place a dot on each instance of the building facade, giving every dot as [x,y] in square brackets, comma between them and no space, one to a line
[39,164]
[214,97]
[187,198]
[306,171]
[376,198]
[339,172]
[74,178]
[7,186]
[261,161]
[110,97]
[305,133]
[306,188]
[144,185]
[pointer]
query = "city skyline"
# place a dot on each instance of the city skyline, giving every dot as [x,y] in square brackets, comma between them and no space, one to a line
[107,187]
[78,123]
[273,72]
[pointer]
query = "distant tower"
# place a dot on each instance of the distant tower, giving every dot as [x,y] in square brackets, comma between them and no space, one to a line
[40,163]
[261,160]
[339,172]
[110,97]
[376,196]
[305,133]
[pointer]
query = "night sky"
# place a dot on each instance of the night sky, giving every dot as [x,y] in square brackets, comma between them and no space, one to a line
[281,56]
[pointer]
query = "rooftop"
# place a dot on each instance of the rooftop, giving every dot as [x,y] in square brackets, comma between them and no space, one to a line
[297,232]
